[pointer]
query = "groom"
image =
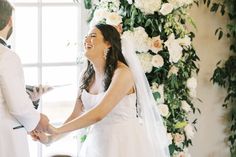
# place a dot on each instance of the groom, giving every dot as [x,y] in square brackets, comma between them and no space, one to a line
[16,108]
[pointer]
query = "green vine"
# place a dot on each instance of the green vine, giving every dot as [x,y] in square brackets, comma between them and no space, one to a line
[225,72]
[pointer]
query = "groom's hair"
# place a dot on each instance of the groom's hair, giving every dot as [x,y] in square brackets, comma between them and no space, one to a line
[5,13]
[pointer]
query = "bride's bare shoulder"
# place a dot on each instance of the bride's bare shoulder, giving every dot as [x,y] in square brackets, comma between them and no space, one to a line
[123,71]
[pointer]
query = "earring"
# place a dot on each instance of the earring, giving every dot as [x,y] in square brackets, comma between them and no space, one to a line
[105,53]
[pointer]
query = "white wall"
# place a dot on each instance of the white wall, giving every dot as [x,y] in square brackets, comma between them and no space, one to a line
[210,138]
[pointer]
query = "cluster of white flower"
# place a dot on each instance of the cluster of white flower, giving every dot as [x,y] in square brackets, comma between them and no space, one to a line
[151,6]
[111,18]
[139,37]
[109,5]
[148,6]
[145,60]
[180,3]
[185,106]
[175,47]
[192,85]
[173,71]
[189,131]
[164,110]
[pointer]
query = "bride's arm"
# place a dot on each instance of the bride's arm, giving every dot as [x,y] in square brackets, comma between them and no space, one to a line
[47,139]
[78,109]
[121,83]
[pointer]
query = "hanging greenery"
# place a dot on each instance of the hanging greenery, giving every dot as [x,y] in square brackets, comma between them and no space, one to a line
[164,47]
[225,72]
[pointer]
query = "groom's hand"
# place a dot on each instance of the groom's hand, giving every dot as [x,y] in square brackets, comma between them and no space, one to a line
[43,123]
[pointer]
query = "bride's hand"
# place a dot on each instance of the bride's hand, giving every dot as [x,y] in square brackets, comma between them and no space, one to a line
[41,136]
[52,130]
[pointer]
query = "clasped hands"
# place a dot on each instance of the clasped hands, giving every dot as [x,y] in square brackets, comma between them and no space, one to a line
[43,129]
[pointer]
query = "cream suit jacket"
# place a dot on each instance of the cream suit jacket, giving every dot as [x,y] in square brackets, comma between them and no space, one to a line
[15,107]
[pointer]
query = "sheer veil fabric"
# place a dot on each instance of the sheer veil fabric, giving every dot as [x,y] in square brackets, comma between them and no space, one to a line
[149,114]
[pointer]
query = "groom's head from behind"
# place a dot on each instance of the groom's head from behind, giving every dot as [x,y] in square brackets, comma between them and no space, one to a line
[6,9]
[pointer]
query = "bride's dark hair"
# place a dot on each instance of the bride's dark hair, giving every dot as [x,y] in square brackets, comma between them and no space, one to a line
[112,36]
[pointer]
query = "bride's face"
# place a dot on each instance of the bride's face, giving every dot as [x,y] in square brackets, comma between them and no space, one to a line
[94,44]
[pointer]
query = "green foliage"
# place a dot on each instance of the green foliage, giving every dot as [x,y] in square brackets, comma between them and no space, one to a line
[225,73]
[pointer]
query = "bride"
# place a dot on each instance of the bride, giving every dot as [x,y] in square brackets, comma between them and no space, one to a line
[115,101]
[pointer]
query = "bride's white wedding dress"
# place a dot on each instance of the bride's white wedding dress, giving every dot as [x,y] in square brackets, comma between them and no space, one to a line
[119,134]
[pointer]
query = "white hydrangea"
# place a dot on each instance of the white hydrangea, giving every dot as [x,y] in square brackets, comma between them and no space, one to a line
[145,60]
[164,110]
[139,37]
[189,131]
[175,50]
[166,8]
[148,6]
[157,61]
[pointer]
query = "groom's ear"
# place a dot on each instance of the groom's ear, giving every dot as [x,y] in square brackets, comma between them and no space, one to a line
[10,23]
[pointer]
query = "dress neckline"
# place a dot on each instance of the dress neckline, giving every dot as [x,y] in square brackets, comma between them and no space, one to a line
[104,93]
[93,94]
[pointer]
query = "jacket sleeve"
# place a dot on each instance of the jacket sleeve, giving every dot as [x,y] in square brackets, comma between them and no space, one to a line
[13,88]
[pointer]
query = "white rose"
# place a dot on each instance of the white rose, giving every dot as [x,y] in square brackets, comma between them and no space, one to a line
[186,41]
[185,106]
[192,83]
[173,70]
[113,19]
[164,110]
[145,60]
[154,87]
[189,131]
[130,1]
[156,44]
[175,50]
[166,8]
[178,138]
[157,61]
